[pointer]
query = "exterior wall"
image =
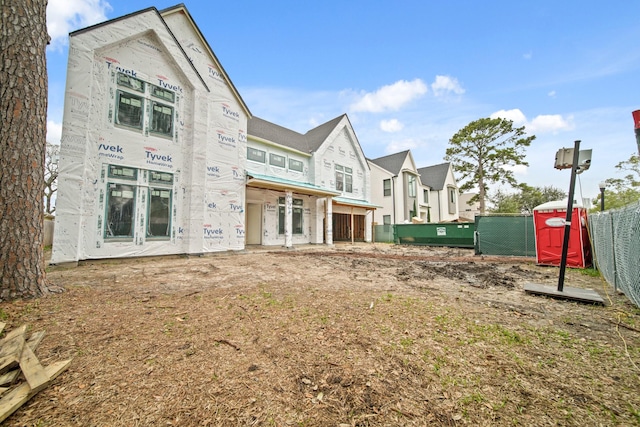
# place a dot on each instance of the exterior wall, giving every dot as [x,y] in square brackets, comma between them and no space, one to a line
[285,172]
[445,210]
[203,154]
[342,149]
[465,210]
[378,175]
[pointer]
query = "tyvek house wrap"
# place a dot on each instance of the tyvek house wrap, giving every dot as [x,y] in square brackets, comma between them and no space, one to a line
[195,167]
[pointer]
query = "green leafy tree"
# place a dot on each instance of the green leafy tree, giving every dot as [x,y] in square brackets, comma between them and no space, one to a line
[482,151]
[621,192]
[525,199]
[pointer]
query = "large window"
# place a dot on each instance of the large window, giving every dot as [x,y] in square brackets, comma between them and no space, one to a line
[122,207]
[298,208]
[411,184]
[120,210]
[344,179]
[386,187]
[133,94]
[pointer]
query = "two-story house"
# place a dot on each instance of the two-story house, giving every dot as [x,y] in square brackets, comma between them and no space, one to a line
[152,158]
[443,192]
[306,188]
[397,188]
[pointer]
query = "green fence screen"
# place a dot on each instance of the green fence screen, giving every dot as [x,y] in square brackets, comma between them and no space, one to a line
[508,235]
[615,237]
[383,233]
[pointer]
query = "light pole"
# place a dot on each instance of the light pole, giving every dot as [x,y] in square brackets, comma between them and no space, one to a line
[602,186]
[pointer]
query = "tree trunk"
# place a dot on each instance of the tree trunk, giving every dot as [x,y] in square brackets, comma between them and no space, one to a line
[23,109]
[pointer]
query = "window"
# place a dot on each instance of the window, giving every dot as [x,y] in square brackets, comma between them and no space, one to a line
[129,110]
[386,187]
[123,186]
[160,199]
[256,155]
[386,219]
[344,179]
[130,106]
[298,207]
[277,160]
[120,210]
[411,184]
[425,196]
[161,118]
[295,165]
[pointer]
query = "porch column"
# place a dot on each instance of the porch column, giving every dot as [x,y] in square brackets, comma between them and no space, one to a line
[329,221]
[368,226]
[288,219]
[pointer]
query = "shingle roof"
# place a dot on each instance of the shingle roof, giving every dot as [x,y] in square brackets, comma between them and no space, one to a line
[307,143]
[434,176]
[393,162]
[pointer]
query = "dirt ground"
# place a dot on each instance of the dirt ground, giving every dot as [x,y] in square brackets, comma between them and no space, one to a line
[351,335]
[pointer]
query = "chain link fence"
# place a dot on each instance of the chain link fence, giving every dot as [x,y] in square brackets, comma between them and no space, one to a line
[615,237]
[504,234]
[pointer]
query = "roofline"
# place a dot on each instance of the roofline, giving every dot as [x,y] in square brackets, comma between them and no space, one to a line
[182,8]
[275,144]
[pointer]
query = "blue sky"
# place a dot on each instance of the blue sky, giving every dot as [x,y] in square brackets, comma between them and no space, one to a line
[410,74]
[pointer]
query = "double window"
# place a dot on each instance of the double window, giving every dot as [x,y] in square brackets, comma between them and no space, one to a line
[133,193]
[298,208]
[135,96]
[344,179]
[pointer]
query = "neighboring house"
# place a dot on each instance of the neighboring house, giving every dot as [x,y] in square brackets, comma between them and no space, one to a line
[467,210]
[443,197]
[397,188]
[153,152]
[306,188]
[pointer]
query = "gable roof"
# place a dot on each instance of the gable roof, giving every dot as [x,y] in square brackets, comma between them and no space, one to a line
[434,176]
[307,143]
[182,8]
[393,162]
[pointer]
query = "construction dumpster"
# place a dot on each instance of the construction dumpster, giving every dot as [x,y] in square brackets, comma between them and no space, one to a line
[450,234]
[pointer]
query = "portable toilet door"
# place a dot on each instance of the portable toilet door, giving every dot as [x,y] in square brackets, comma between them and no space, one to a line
[549,223]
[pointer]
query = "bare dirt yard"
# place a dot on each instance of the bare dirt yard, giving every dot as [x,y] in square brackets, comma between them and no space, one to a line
[363,335]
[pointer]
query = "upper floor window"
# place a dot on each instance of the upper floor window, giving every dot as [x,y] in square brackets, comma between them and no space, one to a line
[411,184]
[386,187]
[425,196]
[131,98]
[256,155]
[277,160]
[295,165]
[344,179]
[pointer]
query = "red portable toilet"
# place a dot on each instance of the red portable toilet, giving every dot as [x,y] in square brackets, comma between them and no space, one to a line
[549,223]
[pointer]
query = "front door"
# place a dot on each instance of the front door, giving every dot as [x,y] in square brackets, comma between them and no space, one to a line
[254,224]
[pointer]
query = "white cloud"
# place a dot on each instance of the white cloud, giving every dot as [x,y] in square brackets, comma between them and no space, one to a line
[516,116]
[550,123]
[54,132]
[544,123]
[390,97]
[446,84]
[397,146]
[392,125]
[552,94]
[528,55]
[64,16]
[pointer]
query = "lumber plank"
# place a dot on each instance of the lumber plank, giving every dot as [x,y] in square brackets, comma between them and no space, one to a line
[19,395]
[2,325]
[10,352]
[14,333]
[33,342]
[32,370]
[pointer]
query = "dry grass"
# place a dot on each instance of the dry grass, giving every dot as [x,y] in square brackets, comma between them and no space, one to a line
[365,335]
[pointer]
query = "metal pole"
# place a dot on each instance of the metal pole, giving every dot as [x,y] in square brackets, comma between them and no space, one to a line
[567,223]
[602,200]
